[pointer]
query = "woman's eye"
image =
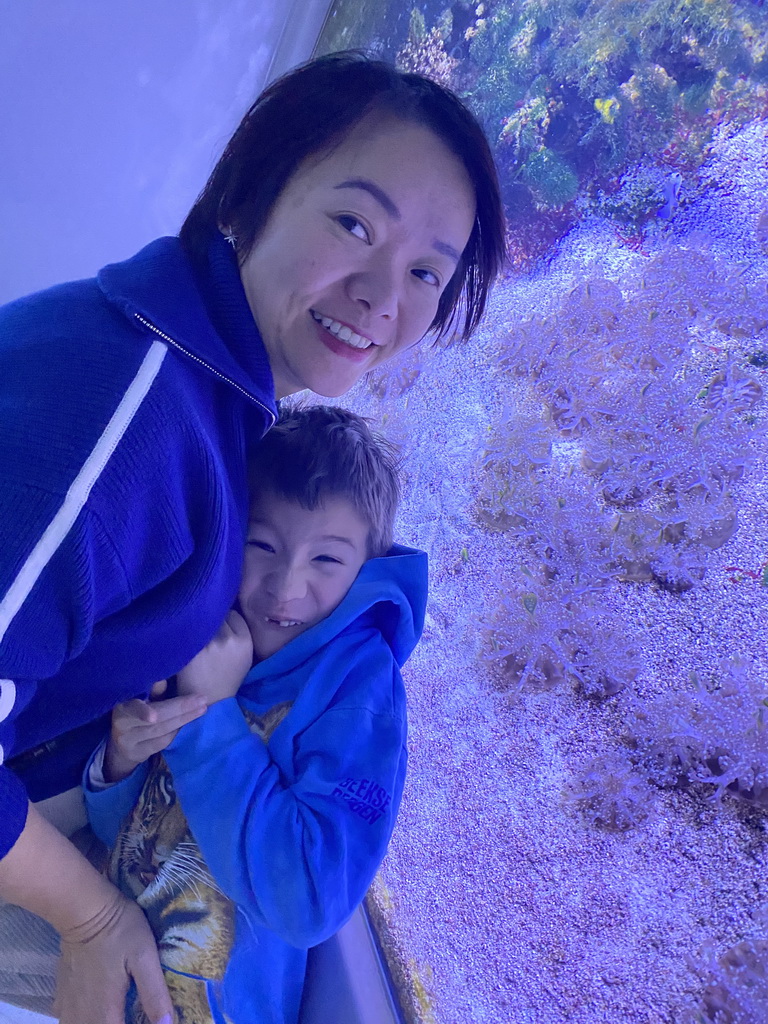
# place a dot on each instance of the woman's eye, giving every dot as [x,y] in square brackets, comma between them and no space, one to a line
[353,226]
[427,276]
[327,558]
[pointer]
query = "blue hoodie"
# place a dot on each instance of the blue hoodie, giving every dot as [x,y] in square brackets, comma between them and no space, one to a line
[258,831]
[127,404]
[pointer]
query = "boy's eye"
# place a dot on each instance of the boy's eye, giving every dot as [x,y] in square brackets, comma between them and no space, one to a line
[353,226]
[261,545]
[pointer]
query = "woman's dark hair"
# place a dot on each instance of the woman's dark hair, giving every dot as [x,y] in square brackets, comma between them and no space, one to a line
[312,108]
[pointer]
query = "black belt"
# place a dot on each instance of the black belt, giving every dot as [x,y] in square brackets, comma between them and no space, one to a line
[57,764]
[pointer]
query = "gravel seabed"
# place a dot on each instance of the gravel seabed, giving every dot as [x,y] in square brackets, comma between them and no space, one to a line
[496,903]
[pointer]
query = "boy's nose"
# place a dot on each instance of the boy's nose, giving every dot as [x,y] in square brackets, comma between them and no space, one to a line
[287,585]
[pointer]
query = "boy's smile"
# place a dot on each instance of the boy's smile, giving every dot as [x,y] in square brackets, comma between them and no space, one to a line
[299,565]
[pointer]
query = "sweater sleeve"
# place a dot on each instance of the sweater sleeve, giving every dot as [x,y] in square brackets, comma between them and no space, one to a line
[13,810]
[47,610]
[296,847]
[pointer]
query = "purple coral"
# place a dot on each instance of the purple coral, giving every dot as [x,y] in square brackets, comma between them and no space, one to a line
[619,466]
[737,986]
[610,794]
[716,734]
[733,391]
[554,633]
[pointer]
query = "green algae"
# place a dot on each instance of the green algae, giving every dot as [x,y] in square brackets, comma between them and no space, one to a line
[579,96]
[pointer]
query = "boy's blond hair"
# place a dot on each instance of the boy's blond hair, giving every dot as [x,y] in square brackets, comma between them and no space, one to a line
[319,451]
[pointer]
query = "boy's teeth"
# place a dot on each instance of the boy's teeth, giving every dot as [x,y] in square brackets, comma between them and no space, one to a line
[342,332]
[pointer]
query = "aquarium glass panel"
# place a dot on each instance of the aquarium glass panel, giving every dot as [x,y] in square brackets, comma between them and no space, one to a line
[583,831]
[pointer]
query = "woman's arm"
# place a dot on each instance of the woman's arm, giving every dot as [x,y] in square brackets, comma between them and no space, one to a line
[41,630]
[105,939]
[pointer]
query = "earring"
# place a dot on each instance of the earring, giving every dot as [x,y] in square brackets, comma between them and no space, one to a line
[230,237]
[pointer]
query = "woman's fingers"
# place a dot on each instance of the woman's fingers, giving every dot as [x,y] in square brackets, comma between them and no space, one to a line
[94,974]
[150,985]
[158,689]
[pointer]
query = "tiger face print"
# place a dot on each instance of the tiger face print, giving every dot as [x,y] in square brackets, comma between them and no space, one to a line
[157,863]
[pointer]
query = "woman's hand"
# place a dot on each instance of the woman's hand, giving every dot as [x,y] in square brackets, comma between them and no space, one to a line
[105,939]
[219,669]
[141,729]
[98,961]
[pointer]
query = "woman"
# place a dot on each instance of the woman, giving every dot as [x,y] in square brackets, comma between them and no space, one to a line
[355,210]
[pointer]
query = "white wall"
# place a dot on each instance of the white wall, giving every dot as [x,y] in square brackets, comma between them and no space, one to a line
[112,115]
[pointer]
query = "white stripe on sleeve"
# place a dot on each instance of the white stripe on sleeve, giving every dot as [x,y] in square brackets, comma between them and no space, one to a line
[7,697]
[7,700]
[75,498]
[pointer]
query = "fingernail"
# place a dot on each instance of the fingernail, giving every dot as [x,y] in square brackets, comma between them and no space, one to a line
[167,1019]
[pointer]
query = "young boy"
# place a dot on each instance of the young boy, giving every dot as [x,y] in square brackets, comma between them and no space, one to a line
[259,829]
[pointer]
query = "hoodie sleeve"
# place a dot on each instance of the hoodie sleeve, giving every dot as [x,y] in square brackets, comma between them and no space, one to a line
[296,848]
[108,805]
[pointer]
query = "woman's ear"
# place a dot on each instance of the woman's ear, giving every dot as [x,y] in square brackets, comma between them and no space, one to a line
[229,235]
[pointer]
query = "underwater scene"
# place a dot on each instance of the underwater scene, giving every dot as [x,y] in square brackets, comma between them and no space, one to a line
[583,836]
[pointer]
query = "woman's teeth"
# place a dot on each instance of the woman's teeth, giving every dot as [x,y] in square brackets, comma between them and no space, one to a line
[342,332]
[282,622]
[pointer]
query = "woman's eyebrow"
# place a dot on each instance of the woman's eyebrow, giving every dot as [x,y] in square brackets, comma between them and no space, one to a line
[373,189]
[446,250]
[383,199]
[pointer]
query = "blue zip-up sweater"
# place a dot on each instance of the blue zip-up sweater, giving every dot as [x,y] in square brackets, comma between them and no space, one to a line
[259,830]
[126,405]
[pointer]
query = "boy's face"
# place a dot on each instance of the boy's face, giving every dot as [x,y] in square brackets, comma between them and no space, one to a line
[299,564]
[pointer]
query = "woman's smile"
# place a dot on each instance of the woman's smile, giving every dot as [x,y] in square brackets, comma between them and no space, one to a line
[343,331]
[342,341]
[356,252]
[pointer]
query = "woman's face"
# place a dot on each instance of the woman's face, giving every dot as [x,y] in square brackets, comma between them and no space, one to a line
[356,253]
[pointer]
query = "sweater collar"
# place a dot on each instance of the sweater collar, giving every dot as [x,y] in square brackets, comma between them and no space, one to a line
[201,310]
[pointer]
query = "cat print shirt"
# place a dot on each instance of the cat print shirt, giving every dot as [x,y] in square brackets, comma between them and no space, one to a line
[257,832]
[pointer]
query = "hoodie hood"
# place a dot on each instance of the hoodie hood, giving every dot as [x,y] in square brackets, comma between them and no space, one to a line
[203,312]
[389,595]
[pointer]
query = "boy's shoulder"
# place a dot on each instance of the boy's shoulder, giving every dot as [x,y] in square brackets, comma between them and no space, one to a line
[404,566]
[391,591]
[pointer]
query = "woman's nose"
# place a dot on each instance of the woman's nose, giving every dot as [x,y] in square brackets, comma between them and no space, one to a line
[376,287]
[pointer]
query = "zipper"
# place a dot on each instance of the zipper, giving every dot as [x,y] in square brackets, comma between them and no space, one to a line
[156,330]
